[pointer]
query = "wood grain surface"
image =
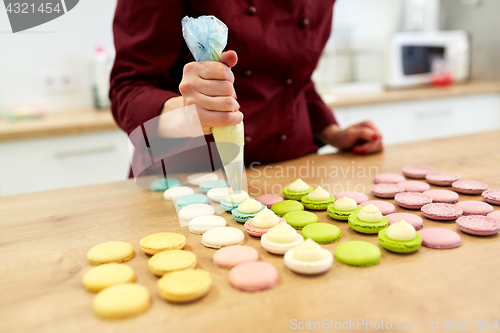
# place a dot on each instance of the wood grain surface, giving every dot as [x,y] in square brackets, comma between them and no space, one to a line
[45,237]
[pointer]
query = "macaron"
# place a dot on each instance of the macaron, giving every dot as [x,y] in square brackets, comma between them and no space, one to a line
[174,193]
[162,241]
[253,276]
[290,192]
[442,196]
[358,253]
[299,219]
[201,224]
[230,256]
[400,237]
[478,225]
[189,212]
[384,206]
[222,236]
[368,220]
[191,199]
[322,233]
[184,286]
[247,210]
[412,200]
[475,207]
[269,199]
[469,186]
[308,258]
[210,184]
[417,171]
[232,200]
[358,196]
[172,260]
[495,215]
[442,178]
[262,222]
[491,196]
[121,300]
[441,211]
[107,275]
[388,178]
[161,185]
[439,238]
[286,206]
[414,186]
[218,193]
[280,238]
[109,252]
[416,221]
[198,178]
[318,199]
[387,191]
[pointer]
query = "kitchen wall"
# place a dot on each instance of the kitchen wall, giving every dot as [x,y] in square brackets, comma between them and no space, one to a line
[64,45]
[483,25]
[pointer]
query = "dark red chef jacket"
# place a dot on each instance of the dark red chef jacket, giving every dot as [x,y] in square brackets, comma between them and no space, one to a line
[278,45]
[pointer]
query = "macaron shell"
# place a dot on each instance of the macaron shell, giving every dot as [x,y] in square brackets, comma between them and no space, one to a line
[184,286]
[399,246]
[109,252]
[417,171]
[230,256]
[174,193]
[218,193]
[387,191]
[279,248]
[299,219]
[356,196]
[242,217]
[162,241]
[469,187]
[198,178]
[290,195]
[121,300]
[340,215]
[286,206]
[210,184]
[253,276]
[317,205]
[384,206]
[269,200]
[222,236]
[495,215]
[107,275]
[322,233]
[412,200]
[491,196]
[478,225]
[412,219]
[366,227]
[308,267]
[189,212]
[441,211]
[161,185]
[199,225]
[442,178]
[191,199]
[414,186]
[255,231]
[388,178]
[439,238]
[443,196]
[358,253]
[475,207]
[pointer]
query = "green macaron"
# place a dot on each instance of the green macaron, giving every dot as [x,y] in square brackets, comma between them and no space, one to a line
[242,217]
[292,195]
[317,205]
[282,207]
[399,246]
[358,253]
[366,227]
[322,233]
[299,219]
[163,184]
[342,215]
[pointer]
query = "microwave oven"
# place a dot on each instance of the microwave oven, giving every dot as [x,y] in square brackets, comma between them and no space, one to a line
[410,56]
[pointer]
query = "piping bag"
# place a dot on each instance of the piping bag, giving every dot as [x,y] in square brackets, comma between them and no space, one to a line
[206,37]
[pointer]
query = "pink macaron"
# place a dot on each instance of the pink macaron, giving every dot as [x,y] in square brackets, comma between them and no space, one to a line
[253,276]
[414,186]
[439,238]
[388,178]
[441,211]
[495,215]
[469,186]
[417,171]
[475,207]
[412,200]
[387,191]
[258,232]
[443,196]
[230,256]
[442,178]
[384,206]
[478,225]
[356,196]
[269,199]
[491,196]
[415,220]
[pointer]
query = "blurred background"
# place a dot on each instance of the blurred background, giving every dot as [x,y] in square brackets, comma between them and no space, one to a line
[421,69]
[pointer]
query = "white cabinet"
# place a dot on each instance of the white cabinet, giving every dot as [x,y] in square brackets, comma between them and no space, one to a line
[63,161]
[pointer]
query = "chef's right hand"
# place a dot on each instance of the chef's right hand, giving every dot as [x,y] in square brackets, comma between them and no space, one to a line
[209,86]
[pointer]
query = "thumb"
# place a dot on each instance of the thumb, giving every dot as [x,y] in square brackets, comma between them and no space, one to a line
[229,58]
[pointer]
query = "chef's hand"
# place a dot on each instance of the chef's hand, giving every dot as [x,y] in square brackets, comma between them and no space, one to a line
[209,86]
[362,138]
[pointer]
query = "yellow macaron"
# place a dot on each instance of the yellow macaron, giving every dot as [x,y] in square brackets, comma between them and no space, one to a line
[169,261]
[107,275]
[184,286]
[162,241]
[110,252]
[121,300]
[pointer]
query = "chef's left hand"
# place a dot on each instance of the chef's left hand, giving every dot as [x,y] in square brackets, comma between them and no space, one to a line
[362,138]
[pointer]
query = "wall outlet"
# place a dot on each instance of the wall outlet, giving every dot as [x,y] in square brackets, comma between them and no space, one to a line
[59,81]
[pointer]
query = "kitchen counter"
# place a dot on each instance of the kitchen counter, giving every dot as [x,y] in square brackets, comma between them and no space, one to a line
[46,235]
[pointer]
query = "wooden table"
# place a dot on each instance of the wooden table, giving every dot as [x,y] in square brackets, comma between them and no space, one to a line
[45,237]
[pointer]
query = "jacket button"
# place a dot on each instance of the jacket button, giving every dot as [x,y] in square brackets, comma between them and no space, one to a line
[251,11]
[304,23]
[289,82]
[283,137]
[247,72]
